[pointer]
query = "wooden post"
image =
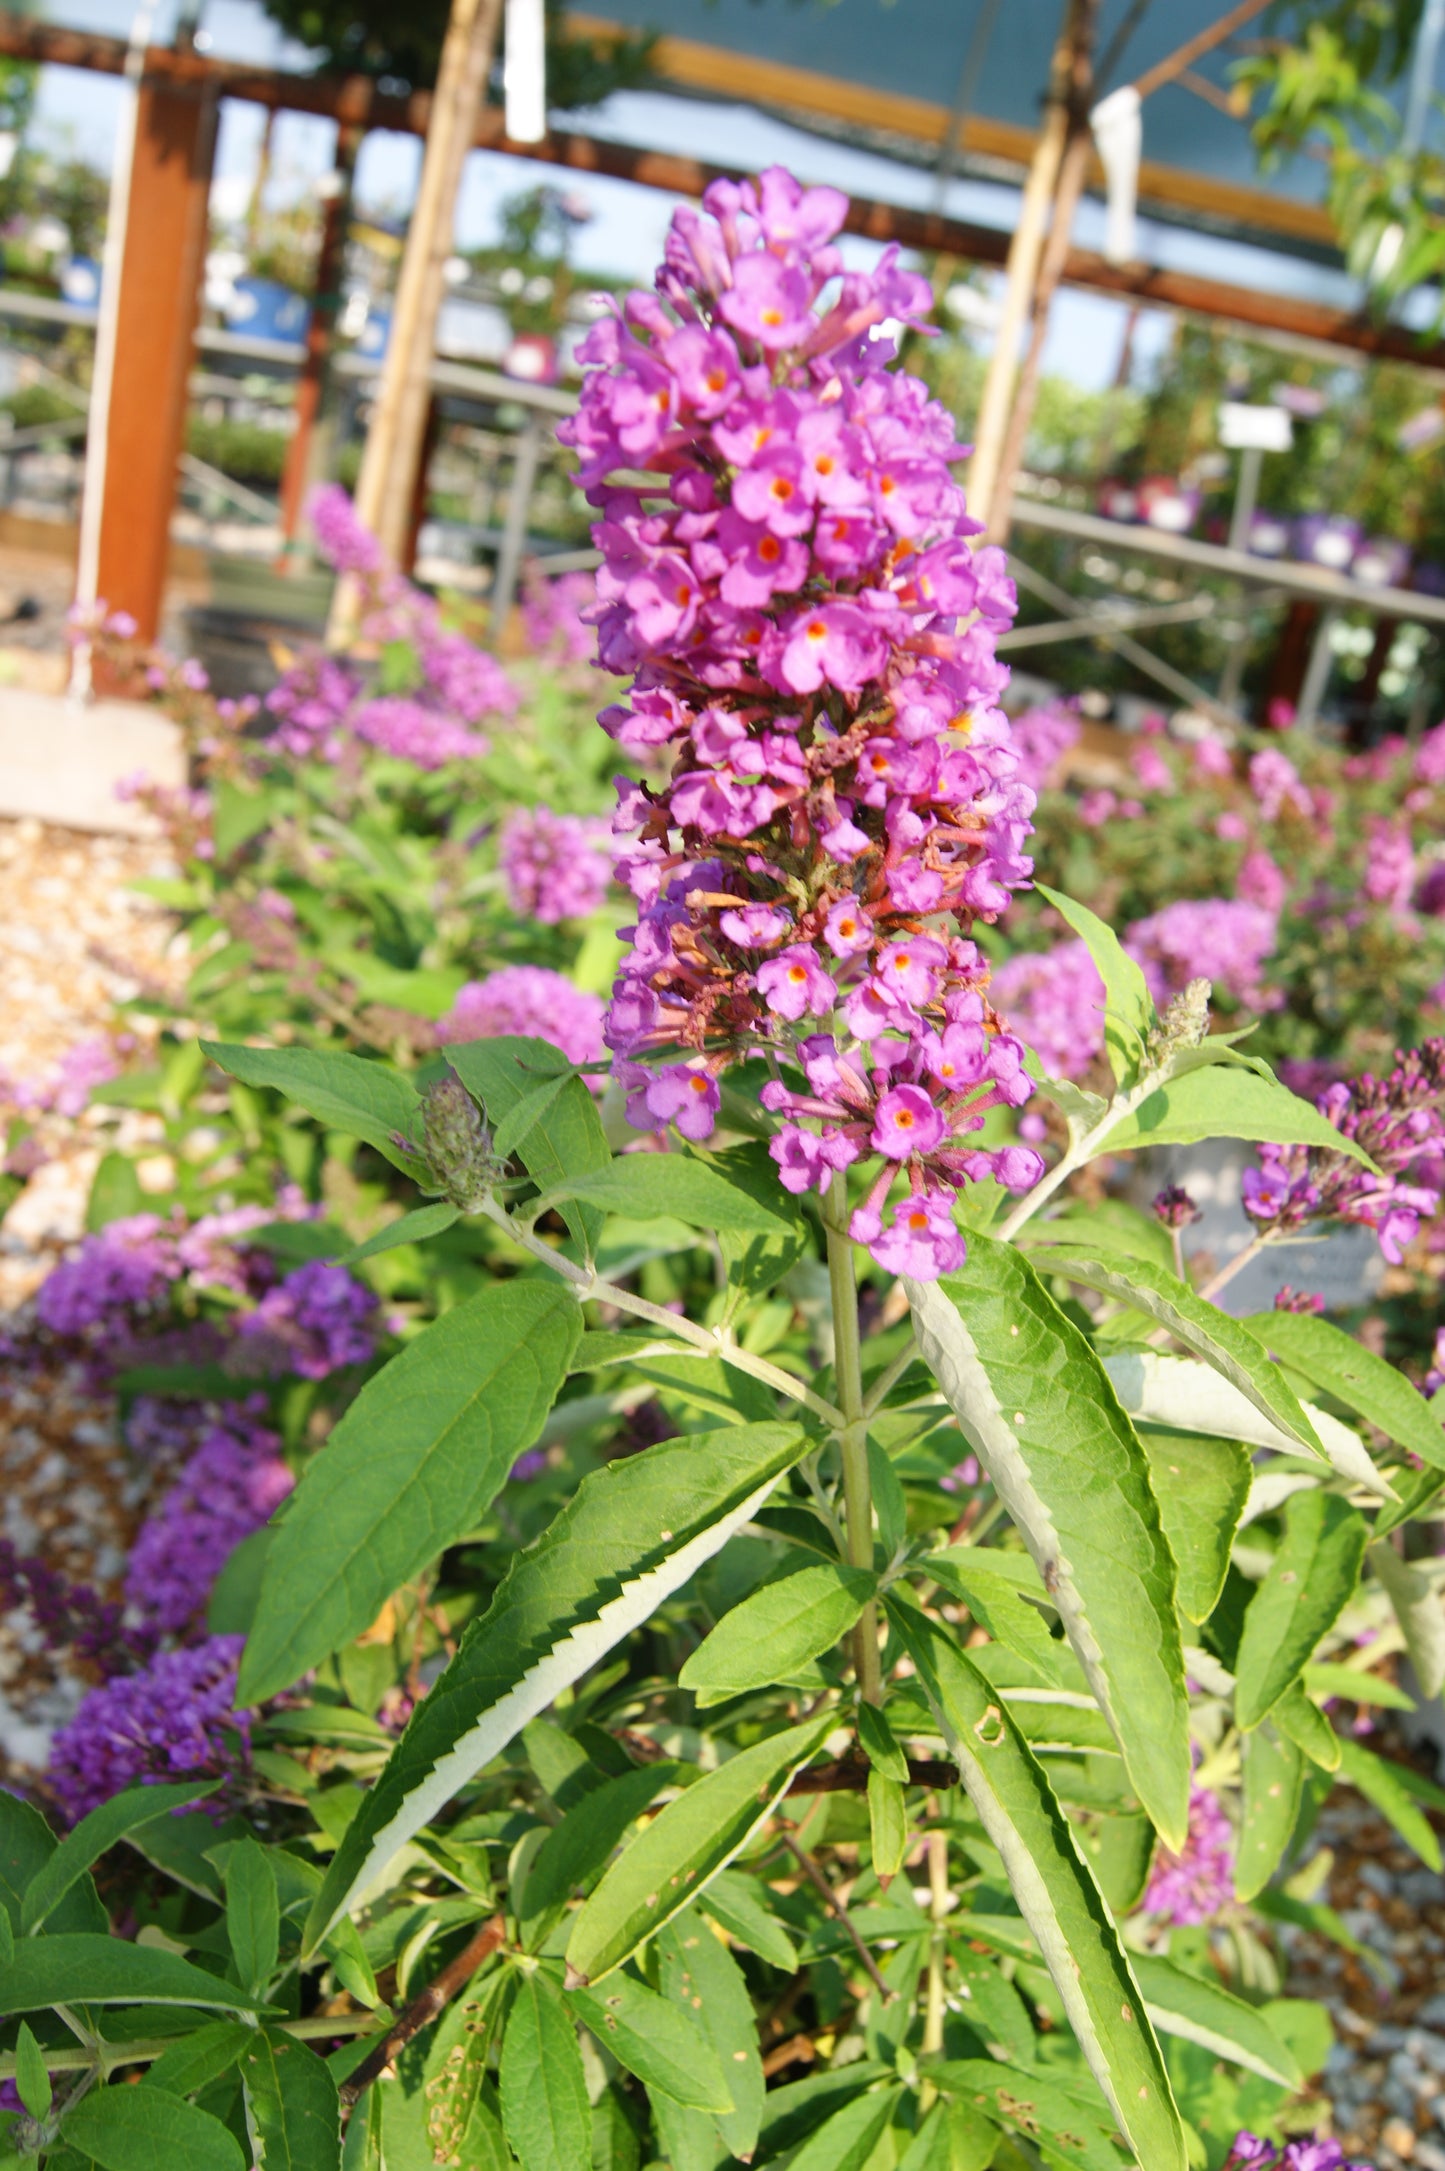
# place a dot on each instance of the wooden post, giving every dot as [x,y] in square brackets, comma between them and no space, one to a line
[1073,170]
[299,472]
[160,285]
[1023,265]
[386,485]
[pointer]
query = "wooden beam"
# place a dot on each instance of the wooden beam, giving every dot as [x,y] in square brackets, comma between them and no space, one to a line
[357,98]
[716,70]
[160,286]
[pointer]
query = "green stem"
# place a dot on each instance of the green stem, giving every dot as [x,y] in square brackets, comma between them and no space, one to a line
[114,2055]
[706,1340]
[853,1431]
[1082,1148]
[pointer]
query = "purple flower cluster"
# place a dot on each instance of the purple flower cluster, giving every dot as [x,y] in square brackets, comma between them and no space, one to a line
[1275,783]
[1389,864]
[171,1719]
[324,701]
[1192,1886]
[67,1091]
[312,1323]
[554,865]
[1400,1122]
[115,1294]
[1055,1002]
[1041,738]
[229,1488]
[70,1616]
[1261,881]
[1219,939]
[1250,2153]
[527,1000]
[784,590]
[554,608]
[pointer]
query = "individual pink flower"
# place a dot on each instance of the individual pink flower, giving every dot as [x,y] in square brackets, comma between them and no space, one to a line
[906,1122]
[794,985]
[686,1095]
[921,1240]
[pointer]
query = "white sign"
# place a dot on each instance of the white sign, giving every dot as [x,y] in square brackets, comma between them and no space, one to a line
[1244,428]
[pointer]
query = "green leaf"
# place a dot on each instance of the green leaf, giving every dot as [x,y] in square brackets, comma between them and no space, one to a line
[1036,1406]
[525,1114]
[564,1140]
[887,1825]
[544,2094]
[412,1228]
[293,2112]
[137,2129]
[1306,1726]
[27,1845]
[645,1186]
[1355,1376]
[122,1814]
[1325,1678]
[1112,1229]
[199,2058]
[846,2141]
[415,1460]
[81,1968]
[1310,1580]
[253,1913]
[1038,2104]
[1273,1778]
[345,1092]
[32,2081]
[1186,1396]
[1054,1887]
[778,1629]
[951,2138]
[1376,1778]
[574,1854]
[755,1263]
[1210,1333]
[654,2038]
[634,1532]
[880,1744]
[673,1860]
[701,1976]
[1129,1008]
[733,1900]
[989,1587]
[1417,1607]
[1201,1485]
[1228,1102]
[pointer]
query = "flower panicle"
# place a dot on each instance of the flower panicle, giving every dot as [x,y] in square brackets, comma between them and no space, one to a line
[790,582]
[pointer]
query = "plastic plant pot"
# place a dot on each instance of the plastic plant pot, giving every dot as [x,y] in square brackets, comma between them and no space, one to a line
[1381,562]
[1268,535]
[1168,505]
[1327,539]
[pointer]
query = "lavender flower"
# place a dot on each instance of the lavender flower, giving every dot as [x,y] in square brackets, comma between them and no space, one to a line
[786,599]
[315,1321]
[1041,738]
[1192,1886]
[1260,882]
[1250,2153]
[1214,938]
[1174,1207]
[229,1488]
[171,1719]
[554,608]
[527,999]
[1055,1002]
[70,1616]
[1275,782]
[127,1268]
[1399,1121]
[409,731]
[552,864]
[1389,864]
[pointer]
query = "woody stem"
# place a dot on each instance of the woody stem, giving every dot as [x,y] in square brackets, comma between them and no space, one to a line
[853,1435]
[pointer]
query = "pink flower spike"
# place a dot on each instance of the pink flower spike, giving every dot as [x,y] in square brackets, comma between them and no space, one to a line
[686,1097]
[906,1123]
[794,985]
[921,1240]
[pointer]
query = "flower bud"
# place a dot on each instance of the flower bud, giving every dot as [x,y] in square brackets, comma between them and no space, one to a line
[458,1143]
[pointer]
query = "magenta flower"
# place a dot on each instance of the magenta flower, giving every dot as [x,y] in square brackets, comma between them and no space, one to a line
[1192,1886]
[684,1095]
[794,985]
[906,1122]
[784,598]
